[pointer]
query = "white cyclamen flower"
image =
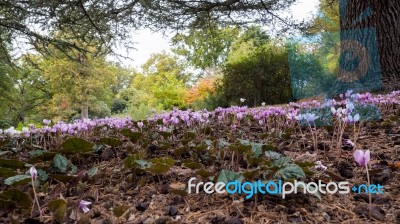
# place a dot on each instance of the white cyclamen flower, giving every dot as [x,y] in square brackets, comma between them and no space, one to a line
[83,205]
[33,172]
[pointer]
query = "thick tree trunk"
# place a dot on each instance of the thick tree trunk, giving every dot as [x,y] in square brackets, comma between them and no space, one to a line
[384,16]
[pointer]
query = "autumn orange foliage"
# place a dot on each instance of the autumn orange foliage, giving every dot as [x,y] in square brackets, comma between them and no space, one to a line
[201,90]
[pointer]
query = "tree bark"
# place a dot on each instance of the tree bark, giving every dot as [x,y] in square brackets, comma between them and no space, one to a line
[385,18]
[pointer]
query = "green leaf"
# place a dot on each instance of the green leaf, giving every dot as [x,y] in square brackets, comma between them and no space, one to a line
[159,168]
[113,142]
[312,189]
[244,141]
[120,210]
[46,156]
[42,175]
[142,163]
[179,192]
[256,148]
[59,209]
[61,163]
[74,169]
[206,130]
[37,152]
[288,132]
[292,172]
[133,136]
[305,164]
[130,161]
[201,147]
[10,163]
[166,160]
[281,161]
[61,177]
[179,151]
[189,135]
[4,152]
[241,148]
[192,165]
[208,142]
[5,172]
[250,175]
[204,173]
[14,198]
[254,161]
[226,176]
[222,144]
[92,171]
[76,145]
[269,147]
[165,134]
[272,155]
[16,179]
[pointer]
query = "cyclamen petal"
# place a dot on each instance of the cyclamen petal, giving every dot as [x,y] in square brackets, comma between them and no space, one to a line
[33,172]
[83,205]
[356,117]
[361,157]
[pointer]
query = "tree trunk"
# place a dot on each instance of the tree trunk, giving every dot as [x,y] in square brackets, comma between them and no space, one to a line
[85,109]
[384,17]
[85,106]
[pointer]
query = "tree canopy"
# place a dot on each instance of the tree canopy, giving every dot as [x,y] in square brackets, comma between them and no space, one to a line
[105,23]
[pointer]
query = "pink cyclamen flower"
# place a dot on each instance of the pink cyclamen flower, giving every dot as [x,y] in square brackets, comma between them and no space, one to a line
[33,172]
[46,122]
[361,157]
[140,124]
[83,205]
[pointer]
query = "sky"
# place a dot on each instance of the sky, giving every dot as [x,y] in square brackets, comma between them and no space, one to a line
[148,42]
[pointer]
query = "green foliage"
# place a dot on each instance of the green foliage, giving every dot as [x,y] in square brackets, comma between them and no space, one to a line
[120,210]
[113,142]
[61,163]
[11,163]
[23,91]
[17,179]
[59,209]
[205,48]
[133,136]
[79,86]
[257,70]
[161,86]
[213,100]
[227,176]
[13,199]
[76,145]
[92,171]
[5,172]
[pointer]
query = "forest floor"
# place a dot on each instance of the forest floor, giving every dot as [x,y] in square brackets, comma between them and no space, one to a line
[143,181]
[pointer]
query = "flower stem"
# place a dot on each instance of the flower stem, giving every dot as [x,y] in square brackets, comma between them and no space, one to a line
[369,193]
[36,199]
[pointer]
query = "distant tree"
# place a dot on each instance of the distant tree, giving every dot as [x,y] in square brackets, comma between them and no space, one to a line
[257,70]
[205,48]
[201,90]
[78,85]
[161,85]
[23,90]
